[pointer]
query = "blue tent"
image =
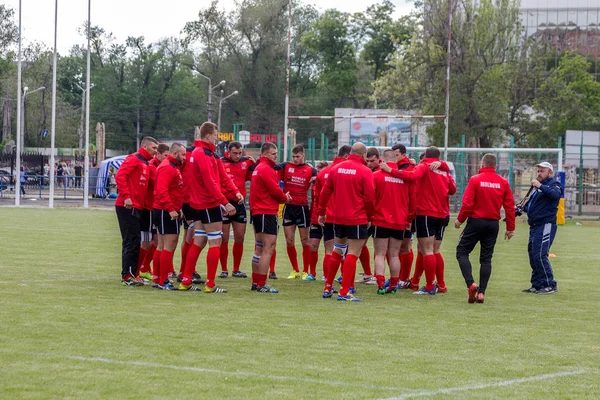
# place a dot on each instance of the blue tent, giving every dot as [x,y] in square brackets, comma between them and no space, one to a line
[105,165]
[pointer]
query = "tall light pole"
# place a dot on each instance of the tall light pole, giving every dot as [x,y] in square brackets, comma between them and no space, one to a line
[287,83]
[210,89]
[86,167]
[83,92]
[447,120]
[221,104]
[53,128]
[18,161]
[26,93]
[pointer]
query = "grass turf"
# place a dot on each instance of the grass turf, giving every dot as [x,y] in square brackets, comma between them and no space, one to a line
[70,330]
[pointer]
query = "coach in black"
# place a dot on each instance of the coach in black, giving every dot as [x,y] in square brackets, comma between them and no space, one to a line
[541,211]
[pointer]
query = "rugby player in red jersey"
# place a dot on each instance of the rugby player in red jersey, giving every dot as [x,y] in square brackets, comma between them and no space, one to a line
[391,219]
[132,185]
[166,214]
[297,177]
[265,198]
[350,188]
[433,214]
[239,168]
[209,203]
[316,230]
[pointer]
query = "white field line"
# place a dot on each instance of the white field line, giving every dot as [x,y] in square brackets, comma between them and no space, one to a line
[510,382]
[231,373]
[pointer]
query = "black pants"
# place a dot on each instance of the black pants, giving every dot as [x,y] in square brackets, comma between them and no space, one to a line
[484,231]
[77,181]
[129,223]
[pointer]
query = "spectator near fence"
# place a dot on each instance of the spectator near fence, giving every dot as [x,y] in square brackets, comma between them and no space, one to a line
[78,173]
[60,171]
[23,180]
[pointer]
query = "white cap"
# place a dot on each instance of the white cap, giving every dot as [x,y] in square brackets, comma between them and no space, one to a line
[545,164]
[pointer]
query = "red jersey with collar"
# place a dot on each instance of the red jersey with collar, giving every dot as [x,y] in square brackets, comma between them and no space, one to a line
[132,179]
[350,188]
[392,201]
[405,165]
[239,172]
[434,188]
[186,171]
[168,194]
[318,188]
[486,193]
[206,173]
[152,166]
[265,193]
[296,180]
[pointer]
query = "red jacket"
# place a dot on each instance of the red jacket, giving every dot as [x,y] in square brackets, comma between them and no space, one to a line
[296,180]
[132,179]
[265,193]
[405,165]
[486,193]
[168,193]
[392,201]
[350,187]
[186,172]
[239,172]
[207,176]
[318,188]
[434,188]
[152,166]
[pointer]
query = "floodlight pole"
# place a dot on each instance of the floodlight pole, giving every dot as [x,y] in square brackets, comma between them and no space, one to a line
[18,136]
[86,167]
[53,127]
[447,119]
[287,83]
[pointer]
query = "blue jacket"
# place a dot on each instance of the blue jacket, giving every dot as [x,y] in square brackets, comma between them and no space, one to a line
[543,205]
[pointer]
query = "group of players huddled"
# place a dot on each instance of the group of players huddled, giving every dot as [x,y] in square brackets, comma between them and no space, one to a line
[361,194]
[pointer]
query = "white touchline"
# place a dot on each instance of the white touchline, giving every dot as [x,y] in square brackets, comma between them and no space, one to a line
[230,373]
[427,393]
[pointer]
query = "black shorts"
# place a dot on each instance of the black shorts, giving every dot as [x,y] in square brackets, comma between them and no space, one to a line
[209,215]
[431,226]
[240,214]
[351,231]
[408,234]
[146,221]
[296,215]
[188,212]
[164,224]
[380,232]
[316,231]
[264,223]
[328,232]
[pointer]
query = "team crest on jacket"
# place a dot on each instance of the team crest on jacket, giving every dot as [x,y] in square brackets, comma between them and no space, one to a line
[291,170]
[244,165]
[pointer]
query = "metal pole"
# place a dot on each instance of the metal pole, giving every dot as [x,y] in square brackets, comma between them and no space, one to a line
[19,111]
[137,130]
[210,111]
[447,119]
[86,167]
[322,153]
[53,126]
[511,161]
[580,185]
[219,117]
[287,81]
[81,120]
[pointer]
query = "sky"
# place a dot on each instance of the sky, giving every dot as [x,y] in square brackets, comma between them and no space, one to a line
[153,19]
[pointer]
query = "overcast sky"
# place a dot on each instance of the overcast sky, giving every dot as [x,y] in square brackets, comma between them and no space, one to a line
[153,19]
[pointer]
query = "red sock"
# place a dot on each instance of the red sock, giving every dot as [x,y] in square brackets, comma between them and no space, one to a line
[429,265]
[141,259]
[212,264]
[365,260]
[255,278]
[334,261]
[405,266]
[261,280]
[314,259]
[272,265]
[148,258]
[418,269]
[156,267]
[380,280]
[184,252]
[238,251]
[293,256]
[190,263]
[439,270]
[326,264]
[224,255]
[394,281]
[305,258]
[349,272]
[166,262]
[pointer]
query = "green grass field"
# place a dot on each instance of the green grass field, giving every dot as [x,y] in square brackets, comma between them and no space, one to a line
[69,330]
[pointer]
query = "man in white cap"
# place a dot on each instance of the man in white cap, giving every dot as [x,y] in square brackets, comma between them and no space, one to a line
[541,212]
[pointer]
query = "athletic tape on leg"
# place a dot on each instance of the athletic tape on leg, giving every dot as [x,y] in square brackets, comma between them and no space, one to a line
[259,243]
[214,235]
[199,233]
[255,259]
[191,226]
[343,248]
[146,236]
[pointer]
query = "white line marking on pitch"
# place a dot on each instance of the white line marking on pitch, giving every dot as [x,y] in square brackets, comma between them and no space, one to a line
[234,373]
[427,393]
